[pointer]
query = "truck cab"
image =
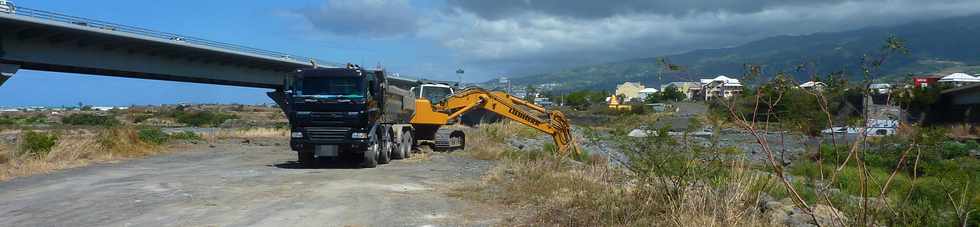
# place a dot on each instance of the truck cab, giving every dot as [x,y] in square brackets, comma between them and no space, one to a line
[334,112]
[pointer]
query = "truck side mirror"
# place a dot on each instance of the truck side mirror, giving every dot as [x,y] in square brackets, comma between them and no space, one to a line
[371,88]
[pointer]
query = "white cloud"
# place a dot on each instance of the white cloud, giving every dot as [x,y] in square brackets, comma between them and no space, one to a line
[534,34]
[531,33]
[369,18]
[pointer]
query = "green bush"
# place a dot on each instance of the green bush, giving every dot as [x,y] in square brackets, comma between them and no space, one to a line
[37,144]
[185,135]
[5,120]
[202,118]
[139,118]
[90,120]
[153,136]
[21,120]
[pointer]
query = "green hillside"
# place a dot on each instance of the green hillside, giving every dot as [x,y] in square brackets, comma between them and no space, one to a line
[948,44]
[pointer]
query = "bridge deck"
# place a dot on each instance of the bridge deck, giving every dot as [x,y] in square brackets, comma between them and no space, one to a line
[47,41]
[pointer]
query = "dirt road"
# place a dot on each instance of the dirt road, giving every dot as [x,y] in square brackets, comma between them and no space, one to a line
[232,184]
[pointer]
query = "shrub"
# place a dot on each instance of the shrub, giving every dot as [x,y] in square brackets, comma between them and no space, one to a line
[140,117]
[202,118]
[38,144]
[185,135]
[153,136]
[90,120]
[5,120]
[20,120]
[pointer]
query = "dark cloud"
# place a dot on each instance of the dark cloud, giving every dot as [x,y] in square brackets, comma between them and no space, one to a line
[591,9]
[504,36]
[369,18]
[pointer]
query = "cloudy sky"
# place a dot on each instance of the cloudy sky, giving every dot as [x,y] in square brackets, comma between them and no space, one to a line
[487,38]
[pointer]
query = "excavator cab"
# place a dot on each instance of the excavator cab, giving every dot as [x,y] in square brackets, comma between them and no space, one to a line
[433,92]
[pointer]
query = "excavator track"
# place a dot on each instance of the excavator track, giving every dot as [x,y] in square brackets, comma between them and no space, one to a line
[449,139]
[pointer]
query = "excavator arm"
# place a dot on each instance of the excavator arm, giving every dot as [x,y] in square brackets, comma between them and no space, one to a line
[504,105]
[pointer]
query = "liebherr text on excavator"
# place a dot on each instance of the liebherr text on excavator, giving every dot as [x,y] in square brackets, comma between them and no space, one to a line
[363,114]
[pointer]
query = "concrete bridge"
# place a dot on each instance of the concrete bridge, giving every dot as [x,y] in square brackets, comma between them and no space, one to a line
[46,41]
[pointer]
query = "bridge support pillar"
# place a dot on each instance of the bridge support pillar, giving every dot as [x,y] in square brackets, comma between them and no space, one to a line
[7,71]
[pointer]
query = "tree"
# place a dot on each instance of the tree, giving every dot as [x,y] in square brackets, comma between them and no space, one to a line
[530,92]
[671,93]
[578,99]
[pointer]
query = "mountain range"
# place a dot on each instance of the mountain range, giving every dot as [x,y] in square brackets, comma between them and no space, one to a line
[938,46]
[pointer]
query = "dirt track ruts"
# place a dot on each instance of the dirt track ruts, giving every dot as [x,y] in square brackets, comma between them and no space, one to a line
[234,184]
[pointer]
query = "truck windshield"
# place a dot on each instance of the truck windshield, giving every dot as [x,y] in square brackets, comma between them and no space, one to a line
[332,86]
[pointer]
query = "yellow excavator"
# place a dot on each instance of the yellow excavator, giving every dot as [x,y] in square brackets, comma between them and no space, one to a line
[428,114]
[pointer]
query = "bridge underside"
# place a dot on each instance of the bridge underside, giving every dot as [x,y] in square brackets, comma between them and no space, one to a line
[31,44]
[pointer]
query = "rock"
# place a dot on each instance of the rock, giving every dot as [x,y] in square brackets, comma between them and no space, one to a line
[828,216]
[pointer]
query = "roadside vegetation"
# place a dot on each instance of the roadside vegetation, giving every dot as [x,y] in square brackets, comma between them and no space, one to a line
[924,175]
[665,188]
[35,143]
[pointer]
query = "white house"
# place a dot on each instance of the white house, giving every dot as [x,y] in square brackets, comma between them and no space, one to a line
[959,79]
[813,85]
[647,92]
[880,88]
[721,86]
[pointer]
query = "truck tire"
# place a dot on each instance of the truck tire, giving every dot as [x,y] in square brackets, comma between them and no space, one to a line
[384,147]
[306,157]
[396,149]
[370,159]
[407,143]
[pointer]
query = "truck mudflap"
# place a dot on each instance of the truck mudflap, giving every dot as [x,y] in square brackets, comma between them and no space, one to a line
[449,139]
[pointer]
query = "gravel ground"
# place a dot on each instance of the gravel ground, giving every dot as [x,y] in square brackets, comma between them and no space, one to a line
[233,184]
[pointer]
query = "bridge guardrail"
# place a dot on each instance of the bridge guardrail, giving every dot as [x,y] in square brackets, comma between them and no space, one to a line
[79,21]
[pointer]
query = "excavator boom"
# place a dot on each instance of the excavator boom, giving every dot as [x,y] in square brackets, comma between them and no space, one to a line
[504,105]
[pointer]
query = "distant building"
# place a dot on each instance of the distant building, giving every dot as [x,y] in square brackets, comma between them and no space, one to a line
[880,89]
[630,91]
[813,86]
[108,108]
[689,89]
[926,81]
[647,92]
[548,86]
[721,87]
[959,79]
[543,101]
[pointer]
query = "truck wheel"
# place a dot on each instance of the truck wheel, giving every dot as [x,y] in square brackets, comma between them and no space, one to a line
[407,143]
[306,157]
[370,159]
[396,151]
[384,157]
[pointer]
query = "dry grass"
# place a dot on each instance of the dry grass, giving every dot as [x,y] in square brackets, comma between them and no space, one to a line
[488,141]
[965,131]
[557,192]
[569,194]
[77,148]
[249,133]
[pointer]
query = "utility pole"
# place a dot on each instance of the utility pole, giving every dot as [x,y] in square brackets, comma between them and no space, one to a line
[459,73]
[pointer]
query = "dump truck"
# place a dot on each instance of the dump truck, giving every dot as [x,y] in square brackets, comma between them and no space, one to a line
[361,114]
